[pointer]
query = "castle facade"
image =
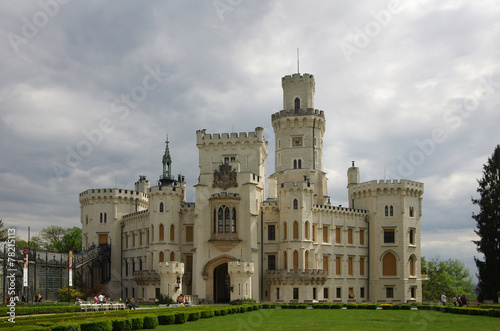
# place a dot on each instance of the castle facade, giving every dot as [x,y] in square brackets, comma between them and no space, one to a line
[232,242]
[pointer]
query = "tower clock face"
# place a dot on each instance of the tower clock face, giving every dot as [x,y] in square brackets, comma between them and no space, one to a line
[296,141]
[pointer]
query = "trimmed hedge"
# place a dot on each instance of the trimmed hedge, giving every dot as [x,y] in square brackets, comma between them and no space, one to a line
[166,319]
[124,324]
[194,316]
[137,322]
[150,322]
[180,318]
[97,325]
[66,327]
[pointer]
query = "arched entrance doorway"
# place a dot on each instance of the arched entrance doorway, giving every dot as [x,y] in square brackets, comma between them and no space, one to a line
[221,289]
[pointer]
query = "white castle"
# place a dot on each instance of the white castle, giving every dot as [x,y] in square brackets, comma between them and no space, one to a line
[233,243]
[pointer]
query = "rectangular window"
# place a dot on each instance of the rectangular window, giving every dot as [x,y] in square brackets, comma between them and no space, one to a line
[271,262]
[349,266]
[314,293]
[339,292]
[271,232]
[295,293]
[133,239]
[412,292]
[277,293]
[189,262]
[362,292]
[314,232]
[362,237]
[140,238]
[325,234]
[338,238]
[412,237]
[338,268]
[133,292]
[325,293]
[351,293]
[147,235]
[361,266]
[389,236]
[389,292]
[325,263]
[189,234]
[126,268]
[349,236]
[126,241]
[126,291]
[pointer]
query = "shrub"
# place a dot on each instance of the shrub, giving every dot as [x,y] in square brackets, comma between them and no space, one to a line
[336,306]
[97,325]
[351,306]
[223,312]
[180,318]
[386,306]
[405,307]
[166,319]
[396,307]
[243,301]
[137,322]
[150,322]
[66,327]
[120,324]
[165,300]
[205,314]
[194,316]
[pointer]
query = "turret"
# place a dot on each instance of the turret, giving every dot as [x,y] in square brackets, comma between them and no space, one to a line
[142,185]
[298,91]
[352,175]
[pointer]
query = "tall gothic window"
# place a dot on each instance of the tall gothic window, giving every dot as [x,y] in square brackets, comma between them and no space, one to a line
[297,105]
[161,207]
[226,219]
[295,204]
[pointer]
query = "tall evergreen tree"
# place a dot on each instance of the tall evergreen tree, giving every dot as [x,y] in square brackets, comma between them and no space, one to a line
[488,228]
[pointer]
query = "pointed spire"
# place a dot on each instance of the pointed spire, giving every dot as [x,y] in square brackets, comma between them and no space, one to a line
[167,161]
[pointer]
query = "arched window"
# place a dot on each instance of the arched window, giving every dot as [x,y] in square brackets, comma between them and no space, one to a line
[215,221]
[161,207]
[227,218]
[161,258]
[105,217]
[295,260]
[172,256]
[285,231]
[295,204]
[285,260]
[152,233]
[101,218]
[389,265]
[220,221]
[297,105]
[412,265]
[172,232]
[295,230]
[306,262]
[295,164]
[161,235]
[306,228]
[391,213]
[386,211]
[411,211]
[299,164]
[233,221]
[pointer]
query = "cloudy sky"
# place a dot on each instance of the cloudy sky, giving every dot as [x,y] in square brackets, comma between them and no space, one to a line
[89,90]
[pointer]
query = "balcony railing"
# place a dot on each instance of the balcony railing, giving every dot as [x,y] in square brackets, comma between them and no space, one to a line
[306,276]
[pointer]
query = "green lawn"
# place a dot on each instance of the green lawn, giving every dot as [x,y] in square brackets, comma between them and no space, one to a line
[333,319]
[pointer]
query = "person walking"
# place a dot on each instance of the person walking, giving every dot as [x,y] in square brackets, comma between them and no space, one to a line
[443,298]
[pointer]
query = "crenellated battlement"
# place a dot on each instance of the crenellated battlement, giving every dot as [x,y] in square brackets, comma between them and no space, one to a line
[340,209]
[299,112]
[111,193]
[203,138]
[297,78]
[395,186]
[225,195]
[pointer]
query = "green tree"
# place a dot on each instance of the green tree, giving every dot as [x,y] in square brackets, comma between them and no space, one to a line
[3,232]
[50,236]
[33,244]
[488,228]
[62,294]
[70,241]
[450,276]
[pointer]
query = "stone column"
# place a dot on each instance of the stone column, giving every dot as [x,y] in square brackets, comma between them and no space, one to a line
[241,279]
[169,272]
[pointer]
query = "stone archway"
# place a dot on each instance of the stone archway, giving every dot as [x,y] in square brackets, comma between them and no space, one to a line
[208,275]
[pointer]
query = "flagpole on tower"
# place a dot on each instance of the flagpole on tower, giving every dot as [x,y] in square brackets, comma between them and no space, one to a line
[298,71]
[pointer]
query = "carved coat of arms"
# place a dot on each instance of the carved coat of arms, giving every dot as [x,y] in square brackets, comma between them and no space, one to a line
[225,177]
